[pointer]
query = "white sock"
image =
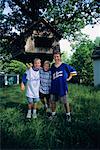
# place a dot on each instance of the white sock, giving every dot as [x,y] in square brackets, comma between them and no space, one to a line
[46,105]
[34,111]
[29,111]
[53,113]
[68,113]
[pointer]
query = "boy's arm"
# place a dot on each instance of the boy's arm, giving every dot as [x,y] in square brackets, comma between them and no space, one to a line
[22,86]
[70,76]
[72,72]
[24,80]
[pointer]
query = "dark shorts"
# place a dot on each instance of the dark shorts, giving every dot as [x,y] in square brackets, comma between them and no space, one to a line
[42,96]
[55,98]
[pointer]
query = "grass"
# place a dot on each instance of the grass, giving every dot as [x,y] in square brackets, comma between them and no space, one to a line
[19,133]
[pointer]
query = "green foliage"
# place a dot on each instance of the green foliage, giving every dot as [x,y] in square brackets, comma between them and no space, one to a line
[13,67]
[16,67]
[74,14]
[19,133]
[97,41]
[82,60]
[66,16]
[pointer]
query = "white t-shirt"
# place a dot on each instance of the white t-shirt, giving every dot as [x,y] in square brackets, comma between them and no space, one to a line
[33,83]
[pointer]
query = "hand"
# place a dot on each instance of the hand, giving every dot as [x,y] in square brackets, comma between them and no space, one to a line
[29,65]
[22,87]
[69,78]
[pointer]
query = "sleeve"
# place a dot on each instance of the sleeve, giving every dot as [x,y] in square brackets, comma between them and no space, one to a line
[24,80]
[71,70]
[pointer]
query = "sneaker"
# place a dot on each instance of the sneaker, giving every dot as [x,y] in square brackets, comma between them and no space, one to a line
[68,118]
[34,115]
[28,115]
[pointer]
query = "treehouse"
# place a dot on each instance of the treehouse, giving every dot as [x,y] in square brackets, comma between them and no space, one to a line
[37,42]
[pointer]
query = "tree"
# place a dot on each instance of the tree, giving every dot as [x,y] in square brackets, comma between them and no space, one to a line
[82,60]
[65,16]
[68,16]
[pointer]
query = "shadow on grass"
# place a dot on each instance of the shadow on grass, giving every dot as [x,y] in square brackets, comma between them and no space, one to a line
[19,106]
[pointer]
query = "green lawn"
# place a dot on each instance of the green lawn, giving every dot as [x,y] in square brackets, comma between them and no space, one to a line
[19,133]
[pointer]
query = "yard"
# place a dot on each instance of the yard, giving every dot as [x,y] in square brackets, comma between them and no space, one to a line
[19,133]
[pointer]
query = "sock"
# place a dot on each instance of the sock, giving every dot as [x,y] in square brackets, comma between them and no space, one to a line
[29,111]
[53,113]
[34,111]
[68,113]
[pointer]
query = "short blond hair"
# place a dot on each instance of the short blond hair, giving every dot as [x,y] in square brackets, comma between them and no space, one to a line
[47,62]
[37,59]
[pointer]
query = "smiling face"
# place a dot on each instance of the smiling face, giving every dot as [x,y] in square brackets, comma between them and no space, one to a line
[57,58]
[46,67]
[37,63]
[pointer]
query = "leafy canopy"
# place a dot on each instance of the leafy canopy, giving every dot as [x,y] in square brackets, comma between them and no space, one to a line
[68,16]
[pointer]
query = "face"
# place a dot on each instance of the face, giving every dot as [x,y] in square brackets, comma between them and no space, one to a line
[46,67]
[57,58]
[37,64]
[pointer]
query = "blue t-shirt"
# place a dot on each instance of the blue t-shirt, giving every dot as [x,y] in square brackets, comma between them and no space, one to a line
[59,76]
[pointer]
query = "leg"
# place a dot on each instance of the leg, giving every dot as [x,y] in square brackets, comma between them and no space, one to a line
[48,100]
[48,106]
[53,104]
[43,101]
[67,108]
[34,110]
[30,106]
[35,107]
[42,97]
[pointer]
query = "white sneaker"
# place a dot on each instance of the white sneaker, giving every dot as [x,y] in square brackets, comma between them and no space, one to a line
[34,115]
[28,115]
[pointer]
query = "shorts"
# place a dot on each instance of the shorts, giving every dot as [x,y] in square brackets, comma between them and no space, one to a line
[32,100]
[55,98]
[42,96]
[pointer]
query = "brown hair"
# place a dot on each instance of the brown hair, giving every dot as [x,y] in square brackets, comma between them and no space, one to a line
[57,52]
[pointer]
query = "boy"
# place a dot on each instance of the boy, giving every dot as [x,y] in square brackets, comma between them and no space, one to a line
[45,84]
[31,79]
[60,74]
